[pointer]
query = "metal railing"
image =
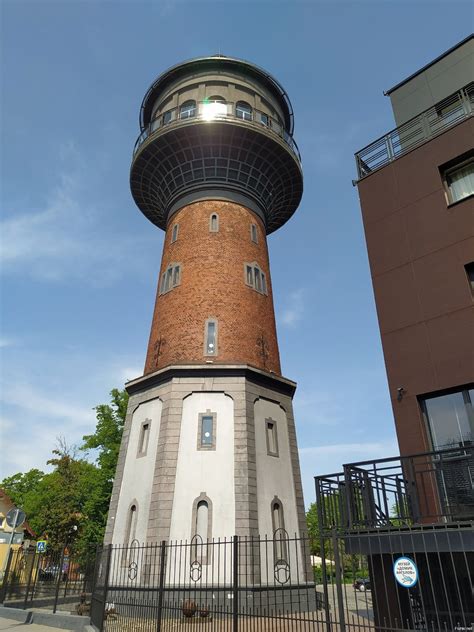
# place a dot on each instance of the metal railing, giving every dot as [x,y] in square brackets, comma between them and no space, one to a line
[417,131]
[403,491]
[255,118]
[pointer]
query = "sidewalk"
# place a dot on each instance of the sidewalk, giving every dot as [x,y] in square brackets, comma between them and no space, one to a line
[10,624]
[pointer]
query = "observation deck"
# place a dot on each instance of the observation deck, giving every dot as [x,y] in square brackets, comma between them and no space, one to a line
[216,128]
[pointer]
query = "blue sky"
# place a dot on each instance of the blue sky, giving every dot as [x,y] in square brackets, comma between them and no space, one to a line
[79,262]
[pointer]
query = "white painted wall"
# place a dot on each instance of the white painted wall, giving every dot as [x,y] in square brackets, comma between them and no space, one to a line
[274,474]
[275,478]
[208,471]
[138,472]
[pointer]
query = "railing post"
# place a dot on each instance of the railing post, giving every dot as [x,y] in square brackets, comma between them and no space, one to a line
[235,582]
[3,588]
[162,583]
[106,583]
[29,580]
[58,581]
[319,507]
[337,562]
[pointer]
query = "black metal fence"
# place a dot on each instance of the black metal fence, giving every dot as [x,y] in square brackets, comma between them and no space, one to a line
[332,583]
[59,579]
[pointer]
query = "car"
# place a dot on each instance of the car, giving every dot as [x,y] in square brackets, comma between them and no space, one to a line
[362,585]
[50,573]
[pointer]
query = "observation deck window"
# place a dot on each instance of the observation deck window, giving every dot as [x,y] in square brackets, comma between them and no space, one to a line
[214,106]
[243,110]
[264,120]
[187,110]
[167,117]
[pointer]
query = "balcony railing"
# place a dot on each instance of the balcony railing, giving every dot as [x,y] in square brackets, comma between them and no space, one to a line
[404,491]
[417,131]
[255,118]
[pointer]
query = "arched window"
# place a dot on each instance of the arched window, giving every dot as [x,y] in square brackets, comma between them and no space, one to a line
[131,525]
[187,110]
[243,110]
[213,107]
[255,277]
[201,528]
[214,223]
[279,534]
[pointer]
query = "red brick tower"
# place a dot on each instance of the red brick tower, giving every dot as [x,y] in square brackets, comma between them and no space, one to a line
[209,446]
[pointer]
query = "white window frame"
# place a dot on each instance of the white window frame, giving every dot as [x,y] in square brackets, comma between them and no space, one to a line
[259,278]
[170,278]
[174,233]
[214,353]
[211,228]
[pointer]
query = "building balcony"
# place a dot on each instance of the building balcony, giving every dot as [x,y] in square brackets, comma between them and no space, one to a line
[433,488]
[420,129]
[213,111]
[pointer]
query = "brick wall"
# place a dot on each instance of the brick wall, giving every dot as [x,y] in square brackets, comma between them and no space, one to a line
[213,286]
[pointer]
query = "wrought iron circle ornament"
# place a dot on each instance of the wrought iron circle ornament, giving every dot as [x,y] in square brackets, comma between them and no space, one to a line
[195,571]
[282,571]
[132,570]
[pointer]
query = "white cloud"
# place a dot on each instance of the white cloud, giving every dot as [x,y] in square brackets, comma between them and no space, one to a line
[6,342]
[293,310]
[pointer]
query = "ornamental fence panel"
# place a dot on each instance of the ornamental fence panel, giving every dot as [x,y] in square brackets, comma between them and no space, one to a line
[336,582]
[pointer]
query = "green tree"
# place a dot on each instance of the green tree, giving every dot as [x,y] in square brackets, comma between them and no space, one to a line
[108,433]
[21,486]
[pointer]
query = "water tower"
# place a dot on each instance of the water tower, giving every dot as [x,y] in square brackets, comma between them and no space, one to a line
[209,446]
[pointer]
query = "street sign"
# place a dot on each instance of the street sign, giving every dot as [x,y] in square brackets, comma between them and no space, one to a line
[15,517]
[41,546]
[405,571]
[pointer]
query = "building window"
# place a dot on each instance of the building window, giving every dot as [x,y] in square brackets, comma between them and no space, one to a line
[450,418]
[210,337]
[255,277]
[174,233]
[271,437]
[459,181]
[254,233]
[187,110]
[167,117]
[207,423]
[264,119]
[143,438]
[170,278]
[213,107]
[243,110]
[469,267]
[280,544]
[214,223]
[131,530]
[201,528]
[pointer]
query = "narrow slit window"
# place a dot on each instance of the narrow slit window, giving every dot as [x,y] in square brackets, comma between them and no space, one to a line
[249,275]
[163,282]
[214,223]
[279,534]
[176,275]
[258,280]
[272,440]
[144,436]
[211,338]
[253,233]
[206,430]
[174,233]
[264,283]
[169,275]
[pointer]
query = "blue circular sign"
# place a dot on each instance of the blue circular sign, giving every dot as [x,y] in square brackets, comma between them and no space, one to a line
[405,571]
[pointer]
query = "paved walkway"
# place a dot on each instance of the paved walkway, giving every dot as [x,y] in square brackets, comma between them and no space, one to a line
[10,624]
